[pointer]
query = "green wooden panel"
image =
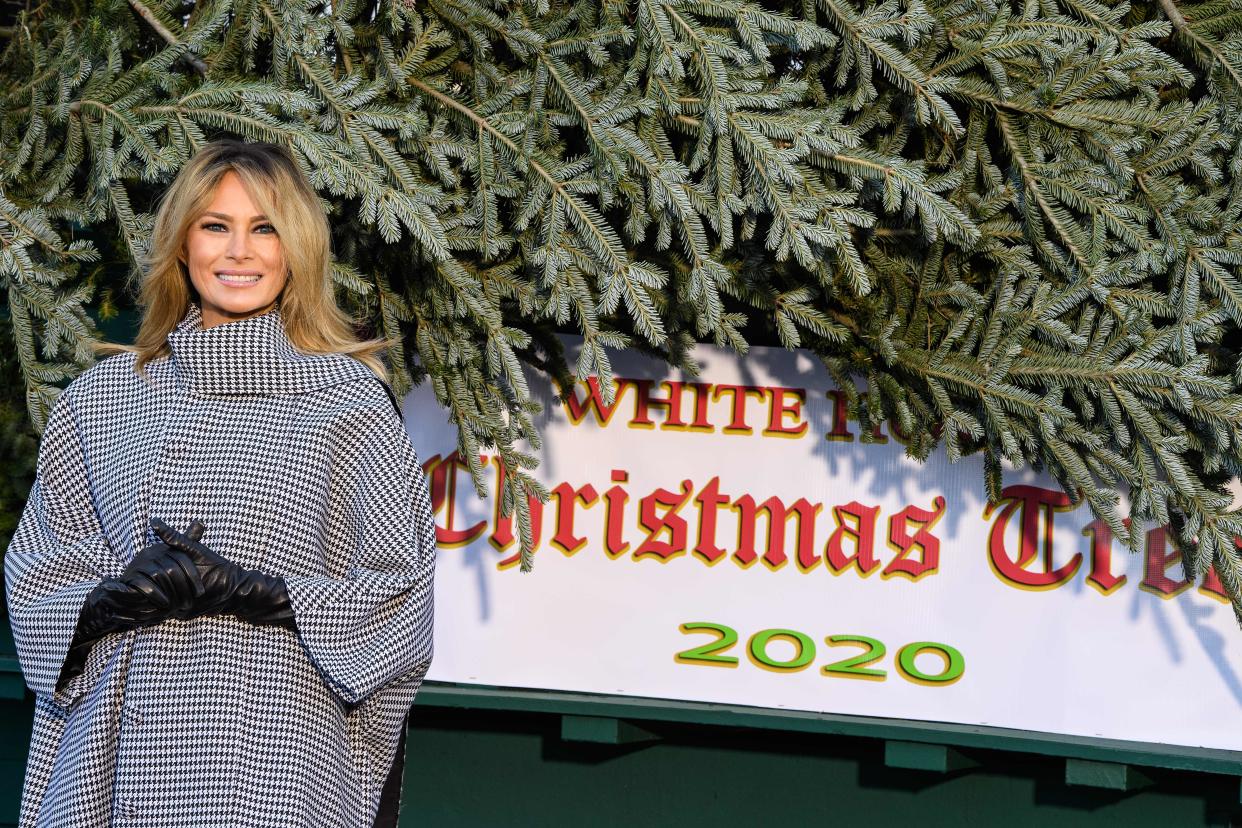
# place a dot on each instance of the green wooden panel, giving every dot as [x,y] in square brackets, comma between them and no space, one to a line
[940,733]
[603,730]
[922,756]
[1107,775]
[472,767]
[479,767]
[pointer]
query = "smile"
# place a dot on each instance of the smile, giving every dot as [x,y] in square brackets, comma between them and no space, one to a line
[238,279]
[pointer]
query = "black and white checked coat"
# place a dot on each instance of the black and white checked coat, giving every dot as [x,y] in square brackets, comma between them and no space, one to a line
[300,467]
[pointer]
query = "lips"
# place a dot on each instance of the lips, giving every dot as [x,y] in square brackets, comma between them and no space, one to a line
[239,279]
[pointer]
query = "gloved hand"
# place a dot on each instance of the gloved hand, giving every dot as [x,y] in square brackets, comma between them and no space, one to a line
[228,589]
[159,582]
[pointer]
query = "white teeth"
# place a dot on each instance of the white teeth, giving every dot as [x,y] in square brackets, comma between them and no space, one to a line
[228,277]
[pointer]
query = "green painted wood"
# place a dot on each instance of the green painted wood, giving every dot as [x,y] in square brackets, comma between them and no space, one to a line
[925,757]
[1143,754]
[468,767]
[603,730]
[12,685]
[1110,776]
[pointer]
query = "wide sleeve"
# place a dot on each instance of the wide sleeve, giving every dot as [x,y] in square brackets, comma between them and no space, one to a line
[373,626]
[58,554]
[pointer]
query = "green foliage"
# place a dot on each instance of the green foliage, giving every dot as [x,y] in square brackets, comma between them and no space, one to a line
[1015,222]
[19,444]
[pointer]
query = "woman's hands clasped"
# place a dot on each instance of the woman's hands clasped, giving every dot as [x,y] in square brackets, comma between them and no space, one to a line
[227,589]
[179,577]
[160,582]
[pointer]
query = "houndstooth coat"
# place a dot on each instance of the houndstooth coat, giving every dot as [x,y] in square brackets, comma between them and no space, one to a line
[298,466]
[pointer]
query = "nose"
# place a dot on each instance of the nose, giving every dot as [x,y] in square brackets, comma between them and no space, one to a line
[239,245]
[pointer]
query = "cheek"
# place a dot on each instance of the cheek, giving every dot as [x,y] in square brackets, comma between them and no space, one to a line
[276,261]
[199,249]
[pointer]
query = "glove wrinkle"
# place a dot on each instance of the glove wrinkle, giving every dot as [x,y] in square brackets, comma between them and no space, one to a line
[229,589]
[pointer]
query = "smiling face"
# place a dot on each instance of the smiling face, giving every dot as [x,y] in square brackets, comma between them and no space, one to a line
[234,256]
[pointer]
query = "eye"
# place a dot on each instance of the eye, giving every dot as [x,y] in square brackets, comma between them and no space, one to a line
[268,226]
[212,224]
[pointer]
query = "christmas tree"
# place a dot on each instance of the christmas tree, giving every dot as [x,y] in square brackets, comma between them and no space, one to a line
[1010,228]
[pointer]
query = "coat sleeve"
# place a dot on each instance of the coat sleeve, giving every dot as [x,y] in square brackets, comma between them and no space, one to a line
[58,554]
[373,626]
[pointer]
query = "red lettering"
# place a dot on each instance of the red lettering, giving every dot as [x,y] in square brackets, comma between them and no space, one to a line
[655,523]
[567,497]
[778,515]
[709,500]
[1033,502]
[502,535]
[786,402]
[840,417]
[444,494]
[1101,576]
[593,402]
[1212,587]
[614,515]
[923,540]
[1156,563]
[701,398]
[737,423]
[862,533]
[644,402]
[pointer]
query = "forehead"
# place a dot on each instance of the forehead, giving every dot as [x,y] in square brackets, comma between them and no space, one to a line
[230,197]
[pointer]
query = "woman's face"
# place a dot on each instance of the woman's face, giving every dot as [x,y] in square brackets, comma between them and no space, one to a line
[234,256]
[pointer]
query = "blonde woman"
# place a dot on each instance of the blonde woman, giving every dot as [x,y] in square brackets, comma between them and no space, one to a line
[221,585]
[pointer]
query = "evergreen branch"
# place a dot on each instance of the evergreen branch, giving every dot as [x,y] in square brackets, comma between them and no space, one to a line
[1183,27]
[162,30]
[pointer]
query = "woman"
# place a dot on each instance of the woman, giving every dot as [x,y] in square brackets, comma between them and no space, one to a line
[221,585]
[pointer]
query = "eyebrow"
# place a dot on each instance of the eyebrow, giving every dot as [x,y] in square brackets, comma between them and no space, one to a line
[227,217]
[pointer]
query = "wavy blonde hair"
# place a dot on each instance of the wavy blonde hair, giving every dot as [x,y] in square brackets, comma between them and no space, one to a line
[313,321]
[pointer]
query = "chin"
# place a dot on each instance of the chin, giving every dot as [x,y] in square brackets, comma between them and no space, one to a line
[237,305]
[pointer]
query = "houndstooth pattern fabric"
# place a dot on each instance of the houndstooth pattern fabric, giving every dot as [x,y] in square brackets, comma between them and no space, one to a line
[298,466]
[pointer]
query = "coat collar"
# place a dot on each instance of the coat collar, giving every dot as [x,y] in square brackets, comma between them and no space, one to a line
[251,356]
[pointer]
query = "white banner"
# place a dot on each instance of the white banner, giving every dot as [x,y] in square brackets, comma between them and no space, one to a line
[729,538]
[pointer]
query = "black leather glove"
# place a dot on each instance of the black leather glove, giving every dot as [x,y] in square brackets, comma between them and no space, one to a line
[158,583]
[229,589]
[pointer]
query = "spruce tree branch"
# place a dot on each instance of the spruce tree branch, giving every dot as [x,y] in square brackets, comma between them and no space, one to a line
[1174,14]
[1032,183]
[238,122]
[14,220]
[909,74]
[146,14]
[553,182]
[1184,28]
[1052,115]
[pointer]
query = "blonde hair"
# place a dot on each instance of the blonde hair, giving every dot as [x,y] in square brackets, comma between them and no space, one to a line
[313,321]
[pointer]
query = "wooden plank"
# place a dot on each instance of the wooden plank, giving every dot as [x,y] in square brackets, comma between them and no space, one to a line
[632,708]
[603,730]
[925,757]
[1113,776]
